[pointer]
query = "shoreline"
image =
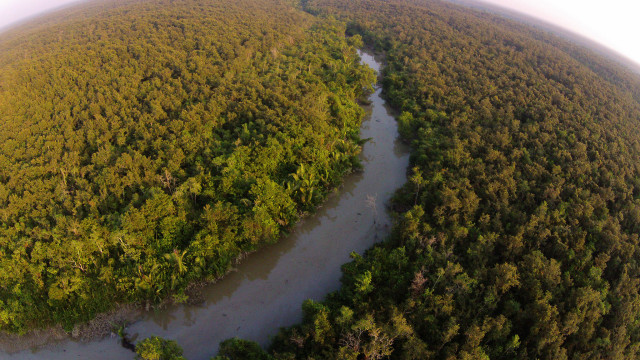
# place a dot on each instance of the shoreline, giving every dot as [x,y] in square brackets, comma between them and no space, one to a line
[123,315]
[343,207]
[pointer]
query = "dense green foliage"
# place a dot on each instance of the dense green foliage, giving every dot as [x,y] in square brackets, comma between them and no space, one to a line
[517,234]
[146,145]
[156,348]
[238,349]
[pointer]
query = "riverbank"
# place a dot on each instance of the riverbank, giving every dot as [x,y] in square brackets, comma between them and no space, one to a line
[266,290]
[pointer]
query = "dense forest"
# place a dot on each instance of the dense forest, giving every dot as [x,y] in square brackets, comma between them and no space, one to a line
[517,234]
[148,145]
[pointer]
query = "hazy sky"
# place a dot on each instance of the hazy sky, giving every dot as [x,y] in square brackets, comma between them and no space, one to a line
[614,23]
[16,10]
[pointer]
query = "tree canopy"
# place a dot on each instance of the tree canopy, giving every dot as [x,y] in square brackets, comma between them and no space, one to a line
[146,145]
[517,233]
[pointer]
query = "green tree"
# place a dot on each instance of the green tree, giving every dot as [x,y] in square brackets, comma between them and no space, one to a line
[237,349]
[156,348]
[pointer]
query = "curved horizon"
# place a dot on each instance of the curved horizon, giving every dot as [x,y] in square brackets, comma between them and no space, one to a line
[610,26]
[614,31]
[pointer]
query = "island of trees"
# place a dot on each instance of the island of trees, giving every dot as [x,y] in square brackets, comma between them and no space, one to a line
[134,162]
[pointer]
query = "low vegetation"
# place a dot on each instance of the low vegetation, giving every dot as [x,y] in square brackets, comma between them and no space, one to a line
[155,348]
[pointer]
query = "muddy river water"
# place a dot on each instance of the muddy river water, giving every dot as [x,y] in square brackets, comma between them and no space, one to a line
[268,288]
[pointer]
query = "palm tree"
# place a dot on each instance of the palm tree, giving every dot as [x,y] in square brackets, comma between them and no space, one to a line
[177,258]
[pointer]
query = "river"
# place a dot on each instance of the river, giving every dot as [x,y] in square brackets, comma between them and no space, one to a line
[267,289]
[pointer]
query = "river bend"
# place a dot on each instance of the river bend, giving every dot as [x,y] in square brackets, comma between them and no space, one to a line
[267,289]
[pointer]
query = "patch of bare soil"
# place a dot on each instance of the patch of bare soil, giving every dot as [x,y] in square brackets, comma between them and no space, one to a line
[101,326]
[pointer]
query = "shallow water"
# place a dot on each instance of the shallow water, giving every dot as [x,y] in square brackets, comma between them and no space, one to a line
[268,288]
